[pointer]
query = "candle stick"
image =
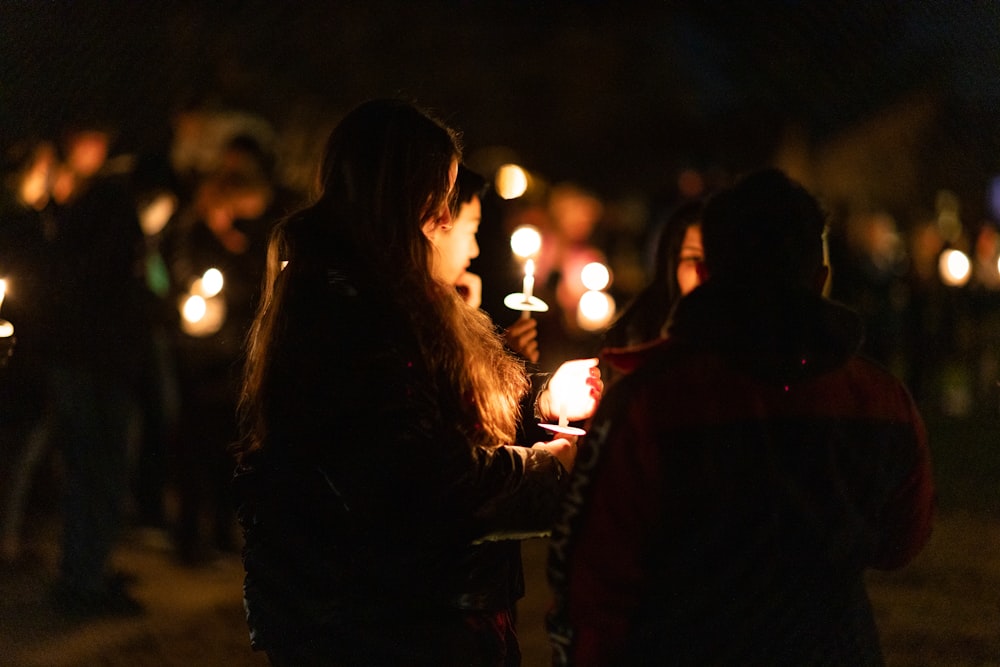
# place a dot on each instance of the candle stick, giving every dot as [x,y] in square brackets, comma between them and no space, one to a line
[529,279]
[528,286]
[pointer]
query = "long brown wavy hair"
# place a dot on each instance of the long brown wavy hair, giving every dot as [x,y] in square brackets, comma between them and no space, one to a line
[384,173]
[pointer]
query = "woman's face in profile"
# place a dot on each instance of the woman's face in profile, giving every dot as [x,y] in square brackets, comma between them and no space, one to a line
[691,255]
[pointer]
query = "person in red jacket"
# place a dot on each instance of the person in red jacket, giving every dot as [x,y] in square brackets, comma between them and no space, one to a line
[737,483]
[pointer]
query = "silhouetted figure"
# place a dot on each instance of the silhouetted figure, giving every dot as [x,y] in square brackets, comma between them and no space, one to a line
[25,227]
[379,477]
[98,330]
[734,488]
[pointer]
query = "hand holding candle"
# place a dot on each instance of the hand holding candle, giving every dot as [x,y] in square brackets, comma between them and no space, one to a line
[572,394]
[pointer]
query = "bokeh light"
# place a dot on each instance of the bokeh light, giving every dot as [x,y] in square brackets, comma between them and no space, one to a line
[595,310]
[954,267]
[511,181]
[526,241]
[595,276]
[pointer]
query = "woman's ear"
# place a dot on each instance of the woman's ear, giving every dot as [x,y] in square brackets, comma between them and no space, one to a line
[429,229]
[435,226]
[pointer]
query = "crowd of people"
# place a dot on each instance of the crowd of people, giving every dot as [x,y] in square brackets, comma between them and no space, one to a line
[132,397]
[740,467]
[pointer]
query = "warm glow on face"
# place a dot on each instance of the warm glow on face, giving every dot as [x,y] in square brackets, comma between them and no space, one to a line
[526,241]
[954,267]
[511,181]
[690,257]
[455,243]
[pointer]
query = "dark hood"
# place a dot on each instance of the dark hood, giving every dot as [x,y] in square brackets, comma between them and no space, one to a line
[778,335]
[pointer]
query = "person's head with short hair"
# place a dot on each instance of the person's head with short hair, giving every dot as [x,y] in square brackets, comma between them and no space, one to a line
[765,230]
[468,186]
[455,244]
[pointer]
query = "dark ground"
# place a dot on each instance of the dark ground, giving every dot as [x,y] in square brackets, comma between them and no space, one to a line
[942,610]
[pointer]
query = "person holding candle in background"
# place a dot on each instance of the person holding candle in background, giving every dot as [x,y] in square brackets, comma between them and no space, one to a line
[25,227]
[456,247]
[380,416]
[223,231]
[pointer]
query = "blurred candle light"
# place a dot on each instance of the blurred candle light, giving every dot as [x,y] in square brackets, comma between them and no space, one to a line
[954,267]
[155,216]
[511,181]
[595,276]
[211,282]
[595,310]
[194,308]
[526,241]
[203,311]
[3,290]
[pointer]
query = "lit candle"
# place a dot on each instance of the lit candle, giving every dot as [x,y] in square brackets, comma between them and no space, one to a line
[529,279]
[6,328]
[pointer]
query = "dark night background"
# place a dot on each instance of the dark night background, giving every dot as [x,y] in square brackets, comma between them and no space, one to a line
[888,110]
[615,95]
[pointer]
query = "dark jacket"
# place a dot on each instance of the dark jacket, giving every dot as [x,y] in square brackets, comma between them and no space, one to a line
[733,489]
[371,524]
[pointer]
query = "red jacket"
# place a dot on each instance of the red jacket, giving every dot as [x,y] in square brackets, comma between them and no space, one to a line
[732,490]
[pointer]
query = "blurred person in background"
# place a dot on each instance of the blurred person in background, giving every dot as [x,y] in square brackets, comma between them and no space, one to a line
[98,328]
[157,198]
[224,228]
[25,229]
[735,487]
[675,274]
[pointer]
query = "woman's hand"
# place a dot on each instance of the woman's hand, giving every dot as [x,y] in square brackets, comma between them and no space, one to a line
[470,288]
[564,449]
[573,391]
[522,338]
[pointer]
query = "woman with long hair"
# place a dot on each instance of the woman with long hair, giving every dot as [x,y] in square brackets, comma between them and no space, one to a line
[378,468]
[678,252]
